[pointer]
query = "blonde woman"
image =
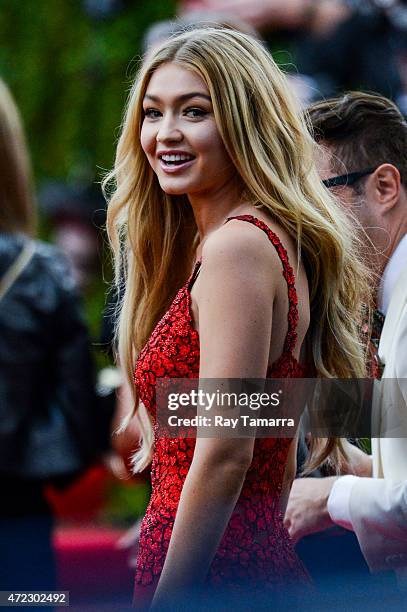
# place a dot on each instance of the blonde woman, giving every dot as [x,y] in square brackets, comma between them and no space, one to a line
[213,148]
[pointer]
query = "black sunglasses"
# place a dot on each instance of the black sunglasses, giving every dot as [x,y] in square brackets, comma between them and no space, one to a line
[347,179]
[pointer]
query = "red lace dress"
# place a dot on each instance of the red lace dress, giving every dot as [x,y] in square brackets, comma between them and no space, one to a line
[255,547]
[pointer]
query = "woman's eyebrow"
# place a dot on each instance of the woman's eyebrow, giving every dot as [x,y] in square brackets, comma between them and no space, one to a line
[181,98]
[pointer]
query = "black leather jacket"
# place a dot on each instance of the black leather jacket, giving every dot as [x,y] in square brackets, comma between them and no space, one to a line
[48,410]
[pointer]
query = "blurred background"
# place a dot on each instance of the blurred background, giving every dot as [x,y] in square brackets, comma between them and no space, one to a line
[69,66]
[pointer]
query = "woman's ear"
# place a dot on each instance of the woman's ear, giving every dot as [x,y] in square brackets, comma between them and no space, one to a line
[385,183]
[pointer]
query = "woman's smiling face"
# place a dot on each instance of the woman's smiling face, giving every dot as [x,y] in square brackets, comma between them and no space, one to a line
[179,134]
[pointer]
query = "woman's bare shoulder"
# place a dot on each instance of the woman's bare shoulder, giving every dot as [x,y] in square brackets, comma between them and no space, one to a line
[239,245]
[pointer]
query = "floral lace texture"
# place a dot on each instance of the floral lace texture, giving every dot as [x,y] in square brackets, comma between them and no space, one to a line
[255,547]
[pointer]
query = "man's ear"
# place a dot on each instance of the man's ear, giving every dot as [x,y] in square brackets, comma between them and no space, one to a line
[385,183]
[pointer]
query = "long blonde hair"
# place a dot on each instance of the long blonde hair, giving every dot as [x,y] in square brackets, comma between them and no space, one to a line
[17,211]
[152,234]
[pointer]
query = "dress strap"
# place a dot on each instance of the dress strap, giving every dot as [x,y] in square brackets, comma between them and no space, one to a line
[194,274]
[288,273]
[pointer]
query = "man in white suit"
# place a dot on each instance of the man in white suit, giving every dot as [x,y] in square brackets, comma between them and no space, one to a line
[364,161]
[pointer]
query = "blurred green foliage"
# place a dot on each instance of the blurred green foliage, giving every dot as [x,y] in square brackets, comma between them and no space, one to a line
[69,73]
[126,501]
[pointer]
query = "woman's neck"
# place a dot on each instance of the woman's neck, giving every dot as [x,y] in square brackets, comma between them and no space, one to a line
[211,209]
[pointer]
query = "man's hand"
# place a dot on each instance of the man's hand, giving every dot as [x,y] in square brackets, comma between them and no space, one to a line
[307,510]
[359,463]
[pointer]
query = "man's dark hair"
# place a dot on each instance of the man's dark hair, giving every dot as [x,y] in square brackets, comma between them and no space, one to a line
[364,130]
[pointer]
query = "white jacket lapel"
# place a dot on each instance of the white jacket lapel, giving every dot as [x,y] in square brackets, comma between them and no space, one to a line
[397,303]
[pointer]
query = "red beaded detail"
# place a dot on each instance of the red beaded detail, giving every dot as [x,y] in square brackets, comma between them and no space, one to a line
[255,547]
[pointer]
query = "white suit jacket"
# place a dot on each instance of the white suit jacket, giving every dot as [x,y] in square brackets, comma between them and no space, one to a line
[390,399]
[378,510]
[378,506]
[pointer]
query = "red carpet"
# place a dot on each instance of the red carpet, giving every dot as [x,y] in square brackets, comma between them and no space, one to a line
[91,566]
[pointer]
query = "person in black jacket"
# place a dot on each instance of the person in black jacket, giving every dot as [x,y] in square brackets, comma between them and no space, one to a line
[48,420]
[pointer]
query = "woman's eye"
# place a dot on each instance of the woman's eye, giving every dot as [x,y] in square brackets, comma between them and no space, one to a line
[152,113]
[194,112]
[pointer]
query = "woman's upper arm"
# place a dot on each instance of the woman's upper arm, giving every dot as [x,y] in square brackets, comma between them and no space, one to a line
[235,303]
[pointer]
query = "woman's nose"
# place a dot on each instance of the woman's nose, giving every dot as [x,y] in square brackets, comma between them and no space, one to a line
[169,131]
